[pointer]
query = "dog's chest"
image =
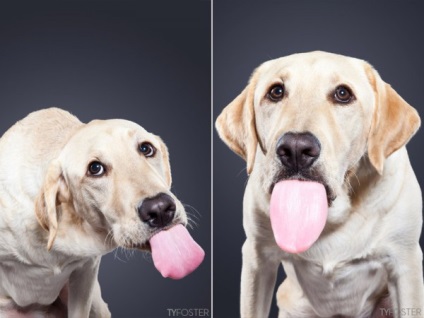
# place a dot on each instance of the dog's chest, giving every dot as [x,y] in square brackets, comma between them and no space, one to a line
[28,285]
[342,289]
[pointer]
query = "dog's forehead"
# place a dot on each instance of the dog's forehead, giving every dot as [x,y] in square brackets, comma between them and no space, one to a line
[312,61]
[104,133]
[114,127]
[314,68]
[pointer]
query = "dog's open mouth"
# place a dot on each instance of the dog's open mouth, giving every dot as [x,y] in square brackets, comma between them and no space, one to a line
[174,252]
[310,175]
[298,211]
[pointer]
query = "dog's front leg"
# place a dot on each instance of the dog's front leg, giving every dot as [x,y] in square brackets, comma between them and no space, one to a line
[406,284]
[99,308]
[258,277]
[82,289]
[261,256]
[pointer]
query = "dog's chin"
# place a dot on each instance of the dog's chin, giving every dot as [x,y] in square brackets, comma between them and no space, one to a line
[144,247]
[308,175]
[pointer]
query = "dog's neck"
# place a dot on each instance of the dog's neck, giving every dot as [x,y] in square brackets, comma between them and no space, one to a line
[363,187]
[360,179]
[363,180]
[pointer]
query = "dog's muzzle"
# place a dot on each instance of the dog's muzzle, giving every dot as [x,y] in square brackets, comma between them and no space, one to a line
[298,151]
[157,211]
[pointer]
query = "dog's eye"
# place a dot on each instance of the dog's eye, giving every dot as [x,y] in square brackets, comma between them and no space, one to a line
[343,94]
[276,93]
[95,168]
[147,149]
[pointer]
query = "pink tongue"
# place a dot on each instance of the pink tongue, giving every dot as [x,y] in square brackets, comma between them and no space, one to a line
[298,214]
[175,253]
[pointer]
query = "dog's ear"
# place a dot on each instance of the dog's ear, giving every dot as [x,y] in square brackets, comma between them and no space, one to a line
[166,163]
[394,122]
[53,192]
[236,124]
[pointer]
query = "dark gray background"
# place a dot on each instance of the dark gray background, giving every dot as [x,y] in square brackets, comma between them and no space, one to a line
[388,34]
[146,61]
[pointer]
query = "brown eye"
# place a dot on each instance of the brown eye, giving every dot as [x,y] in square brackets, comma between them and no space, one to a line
[147,149]
[343,94]
[276,93]
[96,169]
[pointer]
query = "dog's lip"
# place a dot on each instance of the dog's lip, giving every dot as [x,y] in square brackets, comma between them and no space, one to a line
[330,196]
[146,245]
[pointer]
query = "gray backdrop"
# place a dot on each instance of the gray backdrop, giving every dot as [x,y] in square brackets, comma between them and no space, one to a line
[146,61]
[388,34]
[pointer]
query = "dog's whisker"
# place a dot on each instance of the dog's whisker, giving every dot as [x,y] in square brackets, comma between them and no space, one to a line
[117,251]
[241,171]
[147,256]
[109,238]
[192,209]
[193,216]
[192,219]
[191,223]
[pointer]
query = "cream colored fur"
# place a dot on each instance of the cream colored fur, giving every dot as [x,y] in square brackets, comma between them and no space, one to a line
[56,221]
[369,252]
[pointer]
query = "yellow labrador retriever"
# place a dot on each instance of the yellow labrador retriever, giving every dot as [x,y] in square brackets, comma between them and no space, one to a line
[71,192]
[331,192]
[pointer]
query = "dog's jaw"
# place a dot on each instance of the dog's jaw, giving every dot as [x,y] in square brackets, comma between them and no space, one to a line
[312,174]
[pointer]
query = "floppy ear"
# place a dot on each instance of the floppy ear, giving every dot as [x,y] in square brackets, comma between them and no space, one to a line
[53,192]
[166,163]
[236,125]
[394,122]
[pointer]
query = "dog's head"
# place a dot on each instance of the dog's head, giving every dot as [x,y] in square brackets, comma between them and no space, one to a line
[114,177]
[314,116]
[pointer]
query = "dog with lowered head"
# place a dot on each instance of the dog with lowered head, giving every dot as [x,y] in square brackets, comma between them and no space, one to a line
[72,192]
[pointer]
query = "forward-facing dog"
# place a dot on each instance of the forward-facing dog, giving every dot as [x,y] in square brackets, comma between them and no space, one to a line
[72,192]
[331,193]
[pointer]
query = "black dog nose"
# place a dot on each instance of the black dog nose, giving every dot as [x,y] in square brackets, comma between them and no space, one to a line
[157,211]
[298,151]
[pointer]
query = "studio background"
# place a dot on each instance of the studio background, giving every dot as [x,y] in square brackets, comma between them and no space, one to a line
[388,34]
[145,61]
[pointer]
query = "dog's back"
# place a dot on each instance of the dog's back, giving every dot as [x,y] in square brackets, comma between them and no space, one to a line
[40,136]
